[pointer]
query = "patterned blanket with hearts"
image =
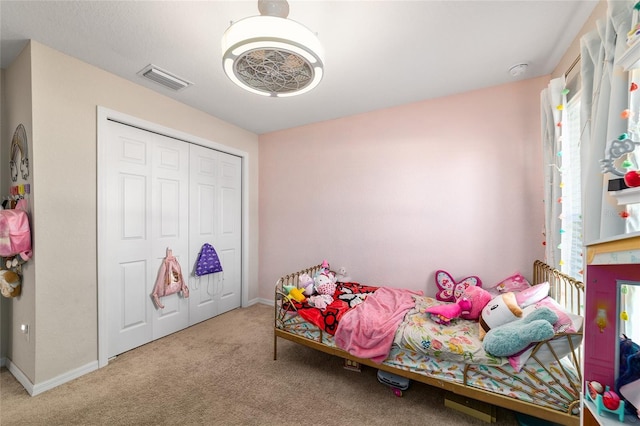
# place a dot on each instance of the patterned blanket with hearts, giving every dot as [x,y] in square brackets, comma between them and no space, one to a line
[347,296]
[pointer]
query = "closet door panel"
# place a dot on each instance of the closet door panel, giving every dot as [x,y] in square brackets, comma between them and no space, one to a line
[202,303]
[203,228]
[170,216]
[134,297]
[229,241]
[132,261]
[205,205]
[128,189]
[228,290]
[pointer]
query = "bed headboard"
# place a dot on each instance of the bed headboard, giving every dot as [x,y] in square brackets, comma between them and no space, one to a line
[567,291]
[293,279]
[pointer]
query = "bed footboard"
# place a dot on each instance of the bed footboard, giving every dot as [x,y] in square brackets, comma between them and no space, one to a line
[561,393]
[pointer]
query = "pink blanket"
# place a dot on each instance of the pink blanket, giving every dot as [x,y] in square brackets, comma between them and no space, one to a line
[367,331]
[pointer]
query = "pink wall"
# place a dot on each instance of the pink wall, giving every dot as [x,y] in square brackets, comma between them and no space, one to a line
[453,183]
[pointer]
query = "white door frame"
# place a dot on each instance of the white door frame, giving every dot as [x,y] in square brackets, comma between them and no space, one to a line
[104,115]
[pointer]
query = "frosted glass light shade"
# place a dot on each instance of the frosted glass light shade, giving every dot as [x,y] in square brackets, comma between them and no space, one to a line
[272,56]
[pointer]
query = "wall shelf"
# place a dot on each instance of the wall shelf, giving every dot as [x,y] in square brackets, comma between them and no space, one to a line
[630,58]
[626,196]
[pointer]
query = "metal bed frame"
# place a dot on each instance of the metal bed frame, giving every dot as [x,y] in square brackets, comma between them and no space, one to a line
[565,398]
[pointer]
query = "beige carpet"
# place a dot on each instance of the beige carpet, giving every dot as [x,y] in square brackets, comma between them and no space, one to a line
[222,372]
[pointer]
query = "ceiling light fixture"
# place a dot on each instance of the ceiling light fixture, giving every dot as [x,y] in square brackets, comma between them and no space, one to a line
[271,55]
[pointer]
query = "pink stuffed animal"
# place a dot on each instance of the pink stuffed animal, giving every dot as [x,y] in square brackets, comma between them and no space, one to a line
[443,314]
[468,306]
[479,298]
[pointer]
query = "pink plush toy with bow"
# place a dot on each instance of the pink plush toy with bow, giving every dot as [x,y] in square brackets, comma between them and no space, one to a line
[443,314]
[468,306]
[479,298]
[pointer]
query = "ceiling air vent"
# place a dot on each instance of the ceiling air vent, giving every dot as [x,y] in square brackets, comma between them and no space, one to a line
[163,77]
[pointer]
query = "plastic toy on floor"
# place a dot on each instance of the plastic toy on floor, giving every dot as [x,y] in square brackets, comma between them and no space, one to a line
[397,383]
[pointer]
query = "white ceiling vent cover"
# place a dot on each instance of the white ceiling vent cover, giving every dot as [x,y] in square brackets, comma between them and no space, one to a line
[164,78]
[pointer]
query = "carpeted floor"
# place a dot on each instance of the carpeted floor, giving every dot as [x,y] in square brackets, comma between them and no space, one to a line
[222,372]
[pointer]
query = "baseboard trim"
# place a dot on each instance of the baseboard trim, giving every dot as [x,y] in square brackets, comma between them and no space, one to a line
[265,301]
[36,389]
[3,361]
[251,302]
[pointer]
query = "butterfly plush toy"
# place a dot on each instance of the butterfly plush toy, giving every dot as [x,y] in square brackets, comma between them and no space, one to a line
[449,290]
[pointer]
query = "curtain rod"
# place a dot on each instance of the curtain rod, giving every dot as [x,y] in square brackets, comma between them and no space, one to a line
[572,66]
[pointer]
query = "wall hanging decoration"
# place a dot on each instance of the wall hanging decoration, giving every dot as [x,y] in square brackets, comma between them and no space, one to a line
[619,148]
[19,147]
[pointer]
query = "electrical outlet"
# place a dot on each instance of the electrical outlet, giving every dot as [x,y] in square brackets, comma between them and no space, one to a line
[24,328]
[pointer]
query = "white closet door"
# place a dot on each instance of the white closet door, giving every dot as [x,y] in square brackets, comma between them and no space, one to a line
[215,185]
[162,194]
[147,188]
[229,244]
[128,191]
[170,226]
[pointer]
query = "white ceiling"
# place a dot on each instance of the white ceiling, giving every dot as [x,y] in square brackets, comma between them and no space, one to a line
[378,54]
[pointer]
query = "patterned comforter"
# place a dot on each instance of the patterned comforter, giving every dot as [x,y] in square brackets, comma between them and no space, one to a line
[458,342]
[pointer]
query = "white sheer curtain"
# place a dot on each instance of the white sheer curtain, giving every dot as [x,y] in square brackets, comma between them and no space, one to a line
[604,96]
[550,98]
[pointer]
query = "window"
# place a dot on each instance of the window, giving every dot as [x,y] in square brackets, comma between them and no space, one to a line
[631,161]
[629,307]
[571,216]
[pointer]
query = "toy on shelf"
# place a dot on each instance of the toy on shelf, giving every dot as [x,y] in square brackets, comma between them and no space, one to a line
[605,400]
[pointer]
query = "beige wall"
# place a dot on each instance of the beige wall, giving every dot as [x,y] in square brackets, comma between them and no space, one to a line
[66,93]
[17,109]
